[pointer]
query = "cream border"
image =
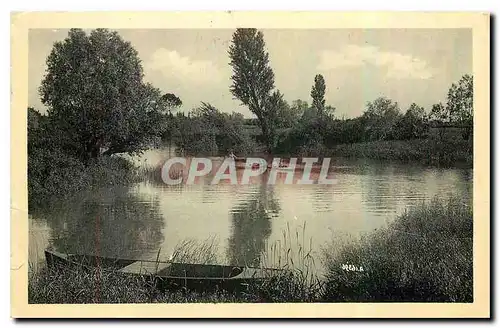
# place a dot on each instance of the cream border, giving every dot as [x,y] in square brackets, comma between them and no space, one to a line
[478,22]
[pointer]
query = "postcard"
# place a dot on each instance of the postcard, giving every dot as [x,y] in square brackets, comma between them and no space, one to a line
[250,165]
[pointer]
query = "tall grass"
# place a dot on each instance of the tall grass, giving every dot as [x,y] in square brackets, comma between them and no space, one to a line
[196,251]
[66,286]
[299,280]
[424,255]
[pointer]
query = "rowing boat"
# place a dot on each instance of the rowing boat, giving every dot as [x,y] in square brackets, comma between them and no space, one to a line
[171,275]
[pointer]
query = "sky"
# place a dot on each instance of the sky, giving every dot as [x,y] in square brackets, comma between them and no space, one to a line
[359,65]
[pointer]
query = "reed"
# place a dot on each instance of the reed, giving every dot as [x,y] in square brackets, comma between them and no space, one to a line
[425,255]
[197,251]
[300,280]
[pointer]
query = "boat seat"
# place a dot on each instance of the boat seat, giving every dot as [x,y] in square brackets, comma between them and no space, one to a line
[143,267]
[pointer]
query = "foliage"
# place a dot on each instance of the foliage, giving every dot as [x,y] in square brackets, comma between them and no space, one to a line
[55,175]
[171,101]
[206,130]
[460,100]
[52,286]
[298,108]
[459,104]
[412,125]
[298,282]
[425,255]
[438,113]
[381,116]
[195,251]
[318,93]
[97,98]
[253,79]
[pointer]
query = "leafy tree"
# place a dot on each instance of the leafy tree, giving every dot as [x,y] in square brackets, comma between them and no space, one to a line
[286,117]
[253,79]
[278,110]
[459,106]
[460,101]
[298,108]
[330,110]
[350,130]
[208,130]
[413,124]
[318,93]
[36,128]
[193,134]
[438,113]
[97,98]
[171,101]
[381,116]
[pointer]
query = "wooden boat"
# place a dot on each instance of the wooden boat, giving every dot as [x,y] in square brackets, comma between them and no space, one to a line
[171,275]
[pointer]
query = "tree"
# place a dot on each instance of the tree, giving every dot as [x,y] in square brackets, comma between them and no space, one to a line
[37,132]
[413,124]
[253,79]
[171,101]
[208,130]
[381,116]
[438,113]
[330,110]
[460,101]
[318,93]
[278,111]
[298,108]
[97,98]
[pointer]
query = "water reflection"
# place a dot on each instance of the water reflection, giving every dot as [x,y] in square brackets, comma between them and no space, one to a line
[137,221]
[112,223]
[251,225]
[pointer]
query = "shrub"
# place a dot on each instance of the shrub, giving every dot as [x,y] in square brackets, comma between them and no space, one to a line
[52,174]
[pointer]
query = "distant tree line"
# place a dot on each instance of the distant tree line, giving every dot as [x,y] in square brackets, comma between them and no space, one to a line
[299,127]
[316,126]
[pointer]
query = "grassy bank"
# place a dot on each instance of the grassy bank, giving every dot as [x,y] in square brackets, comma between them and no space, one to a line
[49,286]
[427,151]
[424,255]
[97,286]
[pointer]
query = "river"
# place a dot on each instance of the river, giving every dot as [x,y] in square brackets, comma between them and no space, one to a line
[244,221]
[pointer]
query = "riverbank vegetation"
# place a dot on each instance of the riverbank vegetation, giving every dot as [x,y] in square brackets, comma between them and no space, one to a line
[424,255]
[98,105]
[445,153]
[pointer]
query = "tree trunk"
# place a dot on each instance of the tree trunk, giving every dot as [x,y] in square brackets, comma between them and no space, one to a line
[267,134]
